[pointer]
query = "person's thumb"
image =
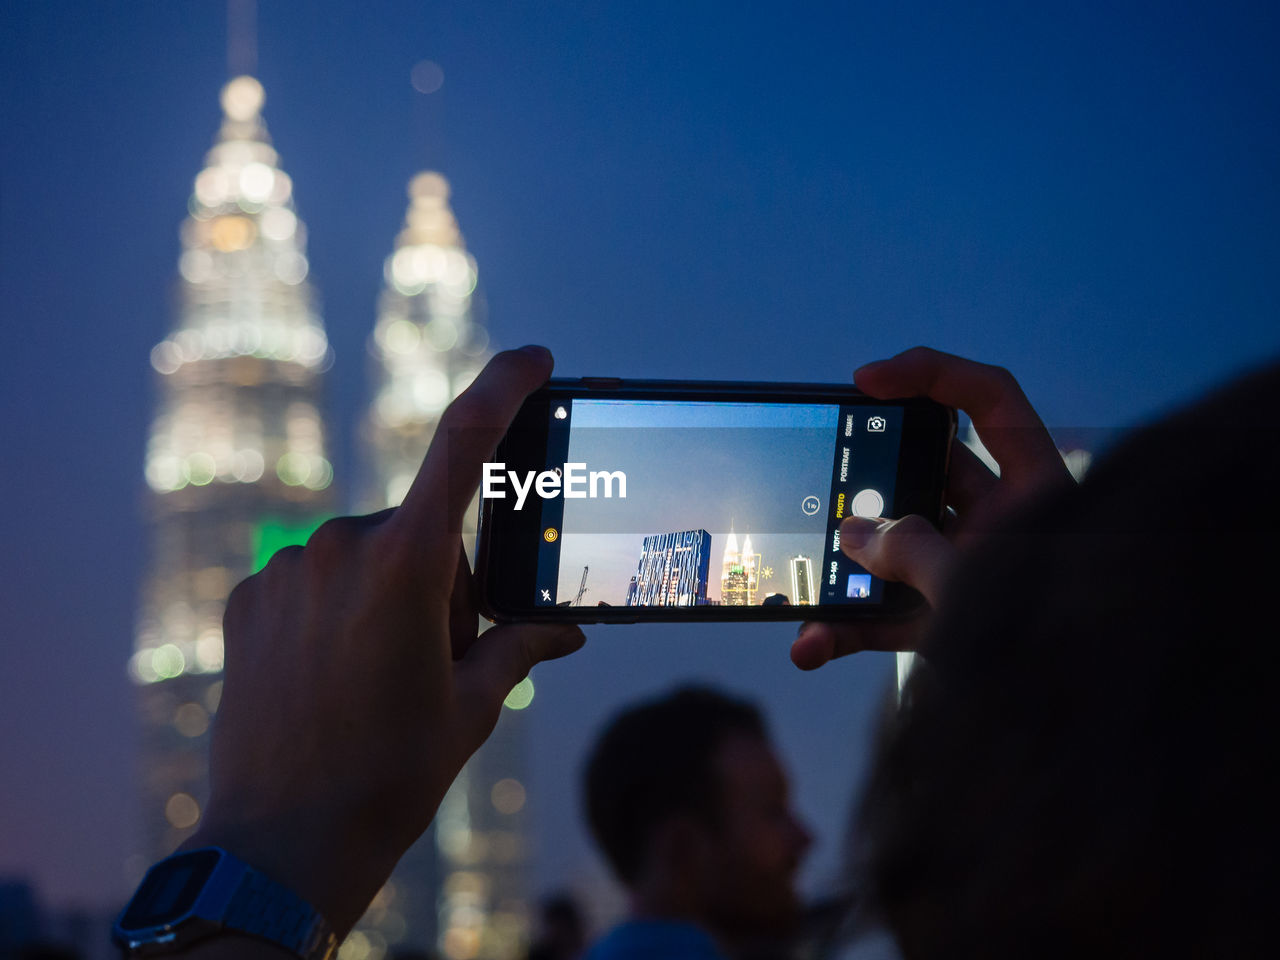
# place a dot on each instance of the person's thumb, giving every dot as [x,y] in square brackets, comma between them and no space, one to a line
[503,656]
[909,550]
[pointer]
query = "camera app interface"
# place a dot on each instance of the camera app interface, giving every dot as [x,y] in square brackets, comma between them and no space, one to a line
[693,503]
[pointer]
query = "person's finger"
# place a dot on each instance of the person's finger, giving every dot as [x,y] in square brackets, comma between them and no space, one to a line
[468,433]
[1003,417]
[503,656]
[463,616]
[813,646]
[819,643]
[910,550]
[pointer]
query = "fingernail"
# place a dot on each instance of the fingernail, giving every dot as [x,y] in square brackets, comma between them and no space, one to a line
[856,531]
[534,349]
[867,366]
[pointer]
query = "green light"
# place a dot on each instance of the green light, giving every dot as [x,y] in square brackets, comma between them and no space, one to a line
[273,534]
[521,695]
[200,469]
[167,661]
[321,474]
[293,469]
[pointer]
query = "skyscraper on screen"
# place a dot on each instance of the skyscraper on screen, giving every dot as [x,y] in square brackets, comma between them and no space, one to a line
[673,570]
[740,572]
[461,889]
[236,460]
[802,591]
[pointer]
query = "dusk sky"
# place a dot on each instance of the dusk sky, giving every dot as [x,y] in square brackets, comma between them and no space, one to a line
[1085,193]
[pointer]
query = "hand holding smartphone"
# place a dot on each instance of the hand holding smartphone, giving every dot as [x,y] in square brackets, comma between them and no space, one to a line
[625,501]
[1013,434]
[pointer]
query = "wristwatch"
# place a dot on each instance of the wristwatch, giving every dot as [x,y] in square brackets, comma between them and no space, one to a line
[206,892]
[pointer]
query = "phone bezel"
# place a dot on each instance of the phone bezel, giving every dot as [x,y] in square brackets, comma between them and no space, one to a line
[928,429]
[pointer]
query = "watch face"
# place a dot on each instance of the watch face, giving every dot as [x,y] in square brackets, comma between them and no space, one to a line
[169,890]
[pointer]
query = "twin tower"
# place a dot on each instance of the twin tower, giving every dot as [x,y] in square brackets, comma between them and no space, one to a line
[238,465]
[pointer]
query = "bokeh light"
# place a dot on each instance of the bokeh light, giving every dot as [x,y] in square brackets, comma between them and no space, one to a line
[242,98]
[508,796]
[521,695]
[167,662]
[191,720]
[427,76]
[182,810]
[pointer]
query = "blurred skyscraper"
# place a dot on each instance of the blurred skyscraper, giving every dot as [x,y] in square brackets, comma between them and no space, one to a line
[461,888]
[236,460]
[428,344]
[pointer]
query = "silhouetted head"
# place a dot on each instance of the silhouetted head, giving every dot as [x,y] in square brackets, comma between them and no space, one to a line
[690,806]
[1082,769]
[562,933]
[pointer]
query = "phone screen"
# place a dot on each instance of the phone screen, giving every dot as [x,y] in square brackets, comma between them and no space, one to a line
[692,503]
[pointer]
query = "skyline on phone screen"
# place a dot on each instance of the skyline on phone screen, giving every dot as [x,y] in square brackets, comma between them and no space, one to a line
[754,490]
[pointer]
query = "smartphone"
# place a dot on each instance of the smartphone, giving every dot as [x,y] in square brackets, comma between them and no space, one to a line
[623,501]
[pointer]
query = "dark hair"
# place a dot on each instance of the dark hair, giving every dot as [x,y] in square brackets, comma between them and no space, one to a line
[655,760]
[1081,769]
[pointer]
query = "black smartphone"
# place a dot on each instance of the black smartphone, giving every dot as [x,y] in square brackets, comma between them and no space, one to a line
[615,500]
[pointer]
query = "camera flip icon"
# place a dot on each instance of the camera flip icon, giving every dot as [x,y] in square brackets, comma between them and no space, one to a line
[875,424]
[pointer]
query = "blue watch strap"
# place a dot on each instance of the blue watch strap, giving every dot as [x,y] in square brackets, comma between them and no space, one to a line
[263,908]
[202,893]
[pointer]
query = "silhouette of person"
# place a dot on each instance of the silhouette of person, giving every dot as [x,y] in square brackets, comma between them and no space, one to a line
[689,803]
[1079,769]
[562,934]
